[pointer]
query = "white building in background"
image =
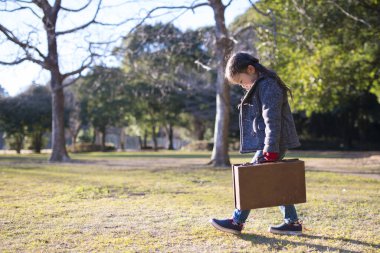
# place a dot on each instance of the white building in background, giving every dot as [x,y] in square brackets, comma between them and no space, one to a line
[115,137]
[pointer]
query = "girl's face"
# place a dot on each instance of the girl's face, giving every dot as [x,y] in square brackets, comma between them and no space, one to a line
[246,80]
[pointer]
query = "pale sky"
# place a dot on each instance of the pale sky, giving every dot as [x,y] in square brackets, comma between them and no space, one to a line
[15,78]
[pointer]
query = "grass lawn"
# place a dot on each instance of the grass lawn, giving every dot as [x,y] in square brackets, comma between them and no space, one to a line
[162,202]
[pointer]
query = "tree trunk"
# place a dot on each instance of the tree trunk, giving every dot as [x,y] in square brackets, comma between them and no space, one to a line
[74,131]
[94,136]
[37,141]
[19,141]
[73,143]
[1,140]
[122,139]
[170,135]
[59,152]
[74,139]
[200,129]
[349,131]
[145,138]
[154,138]
[224,47]
[103,131]
[141,143]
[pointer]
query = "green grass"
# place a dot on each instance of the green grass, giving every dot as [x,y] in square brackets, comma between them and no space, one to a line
[96,206]
[164,154]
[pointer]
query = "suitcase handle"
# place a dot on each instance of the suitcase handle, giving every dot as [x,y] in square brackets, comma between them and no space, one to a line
[283,160]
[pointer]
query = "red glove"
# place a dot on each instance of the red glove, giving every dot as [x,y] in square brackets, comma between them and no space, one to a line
[270,156]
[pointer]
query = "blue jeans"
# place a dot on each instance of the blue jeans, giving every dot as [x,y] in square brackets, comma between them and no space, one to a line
[288,211]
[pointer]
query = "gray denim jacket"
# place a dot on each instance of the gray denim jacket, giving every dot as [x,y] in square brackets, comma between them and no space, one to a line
[265,120]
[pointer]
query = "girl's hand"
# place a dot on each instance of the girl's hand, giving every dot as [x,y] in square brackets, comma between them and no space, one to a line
[263,157]
[269,157]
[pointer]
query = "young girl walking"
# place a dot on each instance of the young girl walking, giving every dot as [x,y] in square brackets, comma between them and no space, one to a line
[266,128]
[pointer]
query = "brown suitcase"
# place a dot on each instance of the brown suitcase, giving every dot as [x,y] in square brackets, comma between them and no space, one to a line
[269,184]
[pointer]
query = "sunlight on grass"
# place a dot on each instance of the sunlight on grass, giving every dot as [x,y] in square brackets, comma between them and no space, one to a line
[90,207]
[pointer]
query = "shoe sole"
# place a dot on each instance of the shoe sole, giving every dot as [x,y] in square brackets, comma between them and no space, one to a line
[217,226]
[279,232]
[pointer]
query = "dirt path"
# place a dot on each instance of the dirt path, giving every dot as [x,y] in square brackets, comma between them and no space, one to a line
[355,163]
[365,164]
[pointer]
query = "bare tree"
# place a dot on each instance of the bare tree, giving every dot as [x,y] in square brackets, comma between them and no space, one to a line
[31,51]
[223,46]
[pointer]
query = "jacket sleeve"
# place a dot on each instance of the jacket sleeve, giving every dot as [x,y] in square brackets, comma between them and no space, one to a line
[271,96]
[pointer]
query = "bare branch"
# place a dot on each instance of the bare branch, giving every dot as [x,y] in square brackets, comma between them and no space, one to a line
[207,68]
[24,1]
[20,9]
[77,10]
[119,4]
[15,62]
[25,58]
[85,64]
[25,46]
[92,21]
[43,4]
[229,3]
[67,84]
[148,15]
[258,10]
[350,15]
[114,24]
[107,42]
[80,69]
[56,8]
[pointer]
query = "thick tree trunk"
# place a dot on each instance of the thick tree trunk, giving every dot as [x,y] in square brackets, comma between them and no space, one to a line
[59,152]
[224,47]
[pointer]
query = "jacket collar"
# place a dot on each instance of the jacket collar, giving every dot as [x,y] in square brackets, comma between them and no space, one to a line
[249,92]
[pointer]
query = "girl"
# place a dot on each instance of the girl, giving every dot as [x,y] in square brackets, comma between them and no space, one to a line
[266,127]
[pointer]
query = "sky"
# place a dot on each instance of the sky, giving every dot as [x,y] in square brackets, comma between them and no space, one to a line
[72,48]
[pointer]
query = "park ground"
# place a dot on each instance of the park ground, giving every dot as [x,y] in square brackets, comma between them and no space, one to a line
[162,202]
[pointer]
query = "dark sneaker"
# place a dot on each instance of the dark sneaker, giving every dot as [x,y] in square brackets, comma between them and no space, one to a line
[227,225]
[294,228]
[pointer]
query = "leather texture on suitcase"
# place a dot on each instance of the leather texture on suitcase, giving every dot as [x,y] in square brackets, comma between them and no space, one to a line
[269,184]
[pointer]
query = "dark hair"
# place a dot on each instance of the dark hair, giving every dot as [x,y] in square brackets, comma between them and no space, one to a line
[238,63]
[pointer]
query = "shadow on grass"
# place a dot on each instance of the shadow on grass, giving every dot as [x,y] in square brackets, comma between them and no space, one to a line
[279,244]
